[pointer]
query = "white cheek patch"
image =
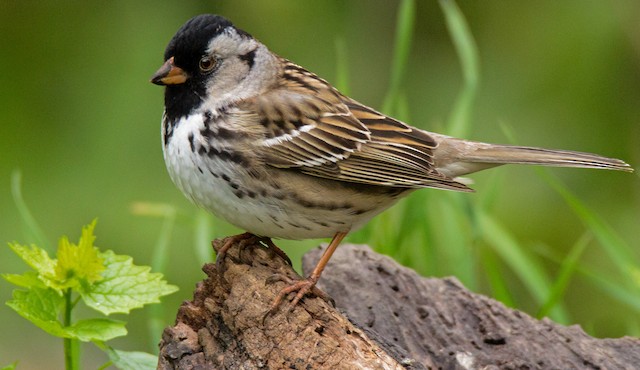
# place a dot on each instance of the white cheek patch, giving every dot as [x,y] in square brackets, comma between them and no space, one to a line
[233,80]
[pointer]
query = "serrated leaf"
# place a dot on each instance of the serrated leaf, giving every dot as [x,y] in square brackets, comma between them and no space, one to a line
[78,266]
[41,307]
[126,360]
[96,329]
[125,286]
[36,258]
[27,280]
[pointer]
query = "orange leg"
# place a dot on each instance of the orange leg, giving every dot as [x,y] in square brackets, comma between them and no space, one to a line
[305,286]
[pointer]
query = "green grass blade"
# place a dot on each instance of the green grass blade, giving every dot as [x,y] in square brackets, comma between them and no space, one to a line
[604,281]
[633,328]
[614,289]
[32,229]
[522,263]
[161,248]
[404,35]
[417,238]
[615,247]
[459,122]
[342,66]
[416,252]
[203,235]
[499,288]
[385,230]
[567,270]
[453,237]
[159,258]
[11,366]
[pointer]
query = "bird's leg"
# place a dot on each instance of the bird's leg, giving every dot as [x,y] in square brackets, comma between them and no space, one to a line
[307,285]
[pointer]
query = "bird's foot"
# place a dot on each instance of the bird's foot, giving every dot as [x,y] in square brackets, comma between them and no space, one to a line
[302,288]
[244,240]
[247,241]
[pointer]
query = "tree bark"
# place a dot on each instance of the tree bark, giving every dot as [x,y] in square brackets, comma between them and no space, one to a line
[396,320]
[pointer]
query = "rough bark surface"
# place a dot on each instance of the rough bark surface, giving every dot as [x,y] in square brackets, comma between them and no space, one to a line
[397,320]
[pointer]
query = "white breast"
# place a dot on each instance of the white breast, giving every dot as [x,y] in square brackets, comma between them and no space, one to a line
[201,179]
[279,205]
[215,184]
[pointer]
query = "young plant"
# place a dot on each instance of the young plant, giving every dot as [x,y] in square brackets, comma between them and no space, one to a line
[104,281]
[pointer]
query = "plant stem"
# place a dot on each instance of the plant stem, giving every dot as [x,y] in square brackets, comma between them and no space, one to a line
[71,349]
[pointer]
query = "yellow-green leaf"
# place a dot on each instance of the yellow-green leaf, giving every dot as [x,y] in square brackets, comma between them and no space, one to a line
[27,280]
[35,257]
[126,360]
[41,307]
[125,286]
[96,329]
[10,366]
[79,266]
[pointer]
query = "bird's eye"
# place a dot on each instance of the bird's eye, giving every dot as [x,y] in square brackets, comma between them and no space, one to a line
[207,64]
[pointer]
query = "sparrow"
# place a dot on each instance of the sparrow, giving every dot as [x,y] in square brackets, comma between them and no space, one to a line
[277,151]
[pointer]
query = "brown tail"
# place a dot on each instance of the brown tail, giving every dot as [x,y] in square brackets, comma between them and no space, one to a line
[459,157]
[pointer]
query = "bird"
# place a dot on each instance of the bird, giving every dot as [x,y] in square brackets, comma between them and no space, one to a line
[277,151]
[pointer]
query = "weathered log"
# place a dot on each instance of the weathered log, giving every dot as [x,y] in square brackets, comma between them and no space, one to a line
[225,326]
[397,320]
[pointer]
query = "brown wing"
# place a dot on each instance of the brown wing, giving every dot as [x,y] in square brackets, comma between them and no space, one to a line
[396,154]
[313,128]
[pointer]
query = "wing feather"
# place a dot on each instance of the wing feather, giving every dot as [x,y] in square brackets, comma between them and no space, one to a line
[311,127]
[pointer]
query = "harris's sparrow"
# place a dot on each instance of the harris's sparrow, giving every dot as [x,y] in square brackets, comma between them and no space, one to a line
[277,151]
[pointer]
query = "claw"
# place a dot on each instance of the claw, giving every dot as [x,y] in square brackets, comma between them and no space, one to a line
[245,241]
[248,243]
[279,278]
[222,252]
[302,287]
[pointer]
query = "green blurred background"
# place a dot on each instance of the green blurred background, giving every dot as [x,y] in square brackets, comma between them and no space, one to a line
[80,120]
